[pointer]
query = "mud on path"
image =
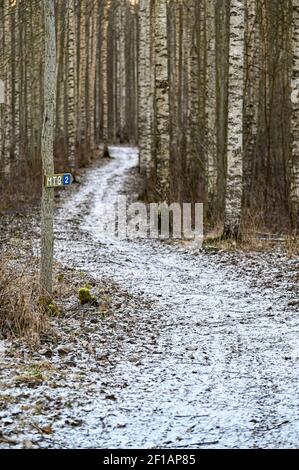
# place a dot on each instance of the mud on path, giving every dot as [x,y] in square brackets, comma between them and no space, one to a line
[207,356]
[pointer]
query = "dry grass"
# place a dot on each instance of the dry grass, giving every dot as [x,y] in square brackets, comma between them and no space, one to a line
[20,311]
[23,313]
[253,240]
[292,246]
[254,237]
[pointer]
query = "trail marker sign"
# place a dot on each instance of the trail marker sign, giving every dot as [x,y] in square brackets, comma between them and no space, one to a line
[59,180]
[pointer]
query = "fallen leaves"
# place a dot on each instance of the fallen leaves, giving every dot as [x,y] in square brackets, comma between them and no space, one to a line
[42,429]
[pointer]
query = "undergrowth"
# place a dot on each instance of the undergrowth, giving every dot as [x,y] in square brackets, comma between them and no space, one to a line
[253,241]
[21,314]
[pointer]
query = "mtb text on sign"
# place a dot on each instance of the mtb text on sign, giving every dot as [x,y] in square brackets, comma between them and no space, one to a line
[60,180]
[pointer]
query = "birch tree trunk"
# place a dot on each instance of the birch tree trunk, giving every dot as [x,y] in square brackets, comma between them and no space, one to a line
[104,58]
[222,47]
[2,94]
[83,59]
[195,96]
[191,79]
[93,78]
[251,92]
[174,97]
[121,72]
[145,92]
[48,146]
[61,32]
[233,199]
[8,90]
[211,106]
[295,116]
[15,83]
[162,101]
[71,68]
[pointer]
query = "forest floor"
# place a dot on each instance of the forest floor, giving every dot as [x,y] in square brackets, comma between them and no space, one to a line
[191,348]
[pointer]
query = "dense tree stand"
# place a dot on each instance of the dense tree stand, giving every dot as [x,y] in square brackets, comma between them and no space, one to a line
[149,210]
[207,89]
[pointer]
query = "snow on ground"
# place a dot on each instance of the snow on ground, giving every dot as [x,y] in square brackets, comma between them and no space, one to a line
[208,356]
[219,373]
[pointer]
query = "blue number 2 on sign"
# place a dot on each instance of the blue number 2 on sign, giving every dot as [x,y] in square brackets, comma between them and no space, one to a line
[66,180]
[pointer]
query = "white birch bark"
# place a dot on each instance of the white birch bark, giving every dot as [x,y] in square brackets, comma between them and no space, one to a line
[15,82]
[122,71]
[162,101]
[190,92]
[82,84]
[8,91]
[233,199]
[211,97]
[117,70]
[295,113]
[105,78]
[71,66]
[2,92]
[145,92]
[92,76]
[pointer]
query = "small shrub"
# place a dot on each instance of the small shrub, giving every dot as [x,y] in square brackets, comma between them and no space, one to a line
[85,296]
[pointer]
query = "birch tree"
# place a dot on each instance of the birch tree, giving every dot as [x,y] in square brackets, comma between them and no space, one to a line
[162,144]
[71,68]
[295,115]
[215,115]
[145,92]
[211,104]
[8,89]
[251,91]
[48,146]
[233,197]
[104,58]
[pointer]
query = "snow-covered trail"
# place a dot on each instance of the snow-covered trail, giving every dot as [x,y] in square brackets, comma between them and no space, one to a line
[220,372]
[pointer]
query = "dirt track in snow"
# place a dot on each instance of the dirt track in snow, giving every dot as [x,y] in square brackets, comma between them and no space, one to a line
[222,371]
[209,356]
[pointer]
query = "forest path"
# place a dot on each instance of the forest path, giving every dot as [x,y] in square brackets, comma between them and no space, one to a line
[212,362]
